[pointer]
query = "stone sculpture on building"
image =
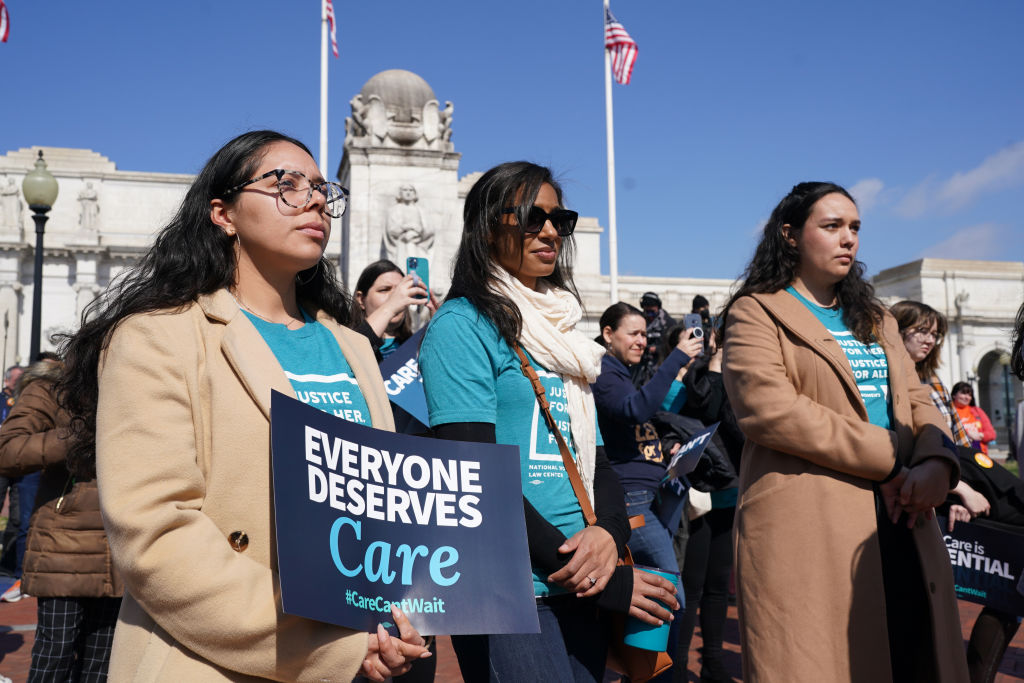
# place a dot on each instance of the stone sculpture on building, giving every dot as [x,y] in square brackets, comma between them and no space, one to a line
[401,168]
[10,206]
[89,209]
[397,109]
[407,232]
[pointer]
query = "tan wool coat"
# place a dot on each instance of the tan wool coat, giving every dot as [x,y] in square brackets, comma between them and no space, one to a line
[808,558]
[183,465]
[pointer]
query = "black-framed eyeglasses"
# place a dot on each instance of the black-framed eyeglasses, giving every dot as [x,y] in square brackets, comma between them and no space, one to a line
[563,220]
[295,190]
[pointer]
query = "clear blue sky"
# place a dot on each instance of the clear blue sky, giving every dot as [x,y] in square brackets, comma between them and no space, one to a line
[919,106]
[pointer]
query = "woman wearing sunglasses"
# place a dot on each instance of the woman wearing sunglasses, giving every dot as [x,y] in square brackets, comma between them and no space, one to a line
[170,379]
[511,290]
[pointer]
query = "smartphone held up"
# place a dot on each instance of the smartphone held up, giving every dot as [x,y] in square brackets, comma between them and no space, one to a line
[694,323]
[419,268]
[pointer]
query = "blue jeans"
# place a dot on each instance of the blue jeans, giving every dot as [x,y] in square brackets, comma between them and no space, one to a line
[572,646]
[27,486]
[651,545]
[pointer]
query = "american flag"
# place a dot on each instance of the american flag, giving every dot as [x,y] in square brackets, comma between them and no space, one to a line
[623,48]
[5,22]
[330,22]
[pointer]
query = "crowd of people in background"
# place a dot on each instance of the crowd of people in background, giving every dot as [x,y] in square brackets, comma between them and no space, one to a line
[812,506]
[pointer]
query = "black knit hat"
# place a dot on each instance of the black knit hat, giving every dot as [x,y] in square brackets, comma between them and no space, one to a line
[650,299]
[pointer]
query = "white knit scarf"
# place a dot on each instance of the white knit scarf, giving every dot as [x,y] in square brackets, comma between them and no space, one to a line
[550,336]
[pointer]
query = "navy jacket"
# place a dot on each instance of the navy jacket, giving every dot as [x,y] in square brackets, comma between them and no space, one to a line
[624,413]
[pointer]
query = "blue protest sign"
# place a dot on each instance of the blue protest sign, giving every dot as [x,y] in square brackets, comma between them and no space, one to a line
[402,380]
[672,495]
[365,518]
[686,458]
[988,562]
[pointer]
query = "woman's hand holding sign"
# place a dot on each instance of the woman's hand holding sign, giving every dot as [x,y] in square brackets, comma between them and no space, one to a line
[387,656]
[592,563]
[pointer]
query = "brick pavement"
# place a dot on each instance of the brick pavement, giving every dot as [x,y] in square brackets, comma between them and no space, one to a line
[17,632]
[17,624]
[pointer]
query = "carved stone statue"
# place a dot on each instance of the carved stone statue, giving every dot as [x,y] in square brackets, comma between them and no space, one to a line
[398,109]
[445,124]
[89,208]
[407,232]
[10,206]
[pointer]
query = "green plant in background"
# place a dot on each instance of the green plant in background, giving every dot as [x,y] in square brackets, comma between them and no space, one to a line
[1012,466]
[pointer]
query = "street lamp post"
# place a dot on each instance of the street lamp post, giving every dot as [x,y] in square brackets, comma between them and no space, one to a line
[1004,360]
[40,190]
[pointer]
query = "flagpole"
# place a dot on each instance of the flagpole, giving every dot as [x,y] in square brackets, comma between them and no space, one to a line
[323,88]
[613,245]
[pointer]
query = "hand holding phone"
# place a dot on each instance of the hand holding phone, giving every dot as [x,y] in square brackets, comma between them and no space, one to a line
[693,323]
[419,268]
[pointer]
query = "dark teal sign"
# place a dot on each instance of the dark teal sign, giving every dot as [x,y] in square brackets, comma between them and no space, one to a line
[367,518]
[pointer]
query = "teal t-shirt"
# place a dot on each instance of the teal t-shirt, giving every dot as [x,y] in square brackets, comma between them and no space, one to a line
[868,362]
[316,367]
[470,374]
[675,399]
[388,346]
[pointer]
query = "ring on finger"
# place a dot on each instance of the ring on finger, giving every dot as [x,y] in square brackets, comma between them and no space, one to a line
[593,581]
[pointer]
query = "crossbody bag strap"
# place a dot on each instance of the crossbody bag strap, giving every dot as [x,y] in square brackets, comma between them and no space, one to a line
[567,460]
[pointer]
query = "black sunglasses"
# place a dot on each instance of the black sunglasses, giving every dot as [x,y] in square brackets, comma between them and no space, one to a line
[563,220]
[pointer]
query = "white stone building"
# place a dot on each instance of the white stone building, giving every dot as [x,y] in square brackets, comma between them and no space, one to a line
[401,167]
[980,301]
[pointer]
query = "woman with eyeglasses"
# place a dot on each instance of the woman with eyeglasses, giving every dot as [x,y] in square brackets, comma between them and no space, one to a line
[511,291]
[923,330]
[170,378]
[841,570]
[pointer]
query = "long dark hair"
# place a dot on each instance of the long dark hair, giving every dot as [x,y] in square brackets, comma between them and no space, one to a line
[512,184]
[364,284]
[775,262]
[191,256]
[911,315]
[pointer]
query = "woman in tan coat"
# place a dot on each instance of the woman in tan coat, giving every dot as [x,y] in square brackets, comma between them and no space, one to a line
[841,571]
[172,374]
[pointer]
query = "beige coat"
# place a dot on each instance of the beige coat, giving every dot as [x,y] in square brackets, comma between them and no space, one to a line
[183,465]
[808,560]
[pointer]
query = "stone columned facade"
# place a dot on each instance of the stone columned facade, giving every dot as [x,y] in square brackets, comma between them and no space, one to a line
[103,220]
[980,301]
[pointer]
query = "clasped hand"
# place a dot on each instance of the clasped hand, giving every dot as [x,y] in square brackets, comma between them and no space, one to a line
[916,491]
[595,556]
